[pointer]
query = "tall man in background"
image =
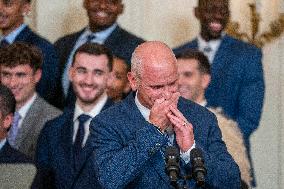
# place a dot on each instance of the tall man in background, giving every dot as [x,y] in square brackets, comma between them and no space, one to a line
[21,68]
[194,77]
[102,29]
[237,84]
[14,29]
[63,151]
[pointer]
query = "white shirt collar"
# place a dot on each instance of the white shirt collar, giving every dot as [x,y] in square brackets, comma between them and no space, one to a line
[214,44]
[144,111]
[101,36]
[12,36]
[24,109]
[95,110]
[203,103]
[2,143]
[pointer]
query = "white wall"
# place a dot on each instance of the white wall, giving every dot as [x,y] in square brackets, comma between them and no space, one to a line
[173,22]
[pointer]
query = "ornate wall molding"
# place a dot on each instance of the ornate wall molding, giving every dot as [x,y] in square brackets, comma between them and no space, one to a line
[276,29]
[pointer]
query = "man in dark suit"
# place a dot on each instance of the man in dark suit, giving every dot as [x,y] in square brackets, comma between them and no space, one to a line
[102,29]
[62,152]
[21,65]
[13,30]
[237,83]
[129,137]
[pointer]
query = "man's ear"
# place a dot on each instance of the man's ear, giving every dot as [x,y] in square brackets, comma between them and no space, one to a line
[132,81]
[85,4]
[26,8]
[120,8]
[206,78]
[71,73]
[8,121]
[196,13]
[38,74]
[126,88]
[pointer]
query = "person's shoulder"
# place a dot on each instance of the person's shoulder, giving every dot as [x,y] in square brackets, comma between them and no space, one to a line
[185,46]
[128,35]
[15,156]
[241,45]
[195,109]
[46,107]
[68,37]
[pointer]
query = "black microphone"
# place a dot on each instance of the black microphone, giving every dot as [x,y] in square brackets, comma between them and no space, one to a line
[198,167]
[172,164]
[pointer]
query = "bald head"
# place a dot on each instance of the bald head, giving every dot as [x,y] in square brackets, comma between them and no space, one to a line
[151,54]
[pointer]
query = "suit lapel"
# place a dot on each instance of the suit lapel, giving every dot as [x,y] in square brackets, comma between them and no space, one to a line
[66,137]
[24,34]
[29,122]
[221,58]
[134,114]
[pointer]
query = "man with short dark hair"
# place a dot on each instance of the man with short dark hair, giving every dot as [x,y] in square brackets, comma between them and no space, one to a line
[130,138]
[63,150]
[12,13]
[118,84]
[21,71]
[237,84]
[102,29]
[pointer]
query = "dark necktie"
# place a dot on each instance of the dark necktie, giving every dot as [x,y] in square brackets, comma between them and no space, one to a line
[4,43]
[91,37]
[79,138]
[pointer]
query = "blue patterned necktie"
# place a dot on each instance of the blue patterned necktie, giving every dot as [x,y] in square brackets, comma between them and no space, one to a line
[77,147]
[14,129]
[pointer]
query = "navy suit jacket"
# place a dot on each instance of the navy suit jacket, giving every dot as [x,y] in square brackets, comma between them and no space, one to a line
[237,83]
[120,42]
[55,159]
[128,148]
[47,85]
[11,155]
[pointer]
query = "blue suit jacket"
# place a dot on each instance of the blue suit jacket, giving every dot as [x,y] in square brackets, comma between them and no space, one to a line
[55,159]
[237,83]
[120,42]
[128,148]
[11,155]
[47,85]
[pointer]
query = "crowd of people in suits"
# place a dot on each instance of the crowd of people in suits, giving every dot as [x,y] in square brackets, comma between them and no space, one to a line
[67,107]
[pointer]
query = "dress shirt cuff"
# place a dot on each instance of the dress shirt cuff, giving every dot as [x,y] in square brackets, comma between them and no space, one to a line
[186,155]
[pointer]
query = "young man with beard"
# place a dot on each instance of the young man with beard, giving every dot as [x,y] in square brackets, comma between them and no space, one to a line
[102,29]
[63,151]
[13,28]
[237,83]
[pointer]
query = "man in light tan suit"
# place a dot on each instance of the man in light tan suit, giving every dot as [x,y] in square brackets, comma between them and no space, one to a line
[21,71]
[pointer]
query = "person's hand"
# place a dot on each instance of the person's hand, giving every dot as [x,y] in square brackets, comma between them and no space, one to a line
[160,109]
[182,128]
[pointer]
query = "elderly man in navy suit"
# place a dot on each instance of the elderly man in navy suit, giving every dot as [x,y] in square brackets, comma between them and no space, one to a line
[102,29]
[14,29]
[63,151]
[237,83]
[129,138]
